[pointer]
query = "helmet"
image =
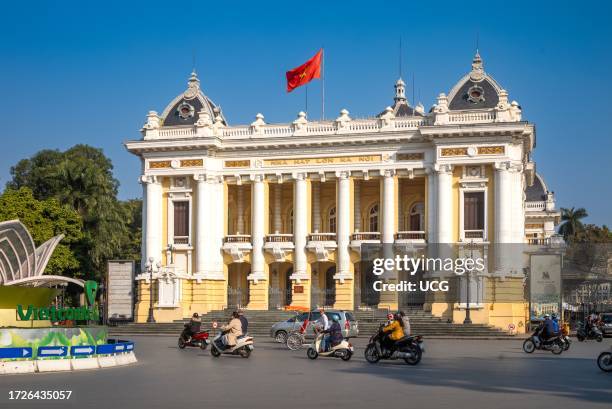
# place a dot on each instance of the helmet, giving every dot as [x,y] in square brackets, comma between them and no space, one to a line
[335,318]
[546,316]
[195,315]
[554,316]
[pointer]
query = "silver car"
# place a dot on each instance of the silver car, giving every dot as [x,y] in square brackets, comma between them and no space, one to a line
[606,323]
[281,329]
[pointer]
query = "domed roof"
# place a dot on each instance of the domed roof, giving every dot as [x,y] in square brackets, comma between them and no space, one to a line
[537,191]
[185,109]
[476,90]
[401,107]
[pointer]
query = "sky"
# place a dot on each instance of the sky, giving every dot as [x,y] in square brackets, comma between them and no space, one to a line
[73,72]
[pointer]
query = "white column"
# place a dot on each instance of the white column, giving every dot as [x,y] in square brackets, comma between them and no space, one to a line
[518,213]
[343,214]
[503,203]
[153,238]
[432,207]
[300,224]
[257,226]
[357,210]
[220,216]
[388,207]
[277,221]
[203,233]
[444,224]
[239,209]
[316,206]
[143,240]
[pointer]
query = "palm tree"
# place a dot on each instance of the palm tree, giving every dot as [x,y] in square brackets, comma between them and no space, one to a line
[571,223]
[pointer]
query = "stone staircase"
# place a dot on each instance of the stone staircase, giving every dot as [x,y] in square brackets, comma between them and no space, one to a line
[260,322]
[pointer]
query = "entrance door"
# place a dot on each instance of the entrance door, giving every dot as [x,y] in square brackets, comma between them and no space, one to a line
[369,297]
[330,287]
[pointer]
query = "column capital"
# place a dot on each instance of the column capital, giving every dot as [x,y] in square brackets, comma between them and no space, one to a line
[502,166]
[146,179]
[388,173]
[299,175]
[343,174]
[257,178]
[443,168]
[201,177]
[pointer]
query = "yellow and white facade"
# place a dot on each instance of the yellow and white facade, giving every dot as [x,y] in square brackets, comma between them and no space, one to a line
[268,215]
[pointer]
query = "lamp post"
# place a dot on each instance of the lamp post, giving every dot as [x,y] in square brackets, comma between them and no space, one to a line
[467,319]
[149,267]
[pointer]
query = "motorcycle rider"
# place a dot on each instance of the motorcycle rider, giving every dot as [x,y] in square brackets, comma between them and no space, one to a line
[394,331]
[233,330]
[323,323]
[193,327]
[555,322]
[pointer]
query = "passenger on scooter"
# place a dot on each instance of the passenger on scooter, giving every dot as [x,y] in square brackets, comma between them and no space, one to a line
[335,333]
[394,331]
[243,321]
[548,330]
[406,323]
[233,330]
[555,322]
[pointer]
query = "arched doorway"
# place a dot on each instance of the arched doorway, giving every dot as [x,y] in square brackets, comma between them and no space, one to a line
[238,285]
[369,297]
[279,291]
[330,287]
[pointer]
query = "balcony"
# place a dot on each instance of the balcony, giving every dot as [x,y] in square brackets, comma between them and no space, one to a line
[237,246]
[537,206]
[181,240]
[321,244]
[279,245]
[410,237]
[474,235]
[366,237]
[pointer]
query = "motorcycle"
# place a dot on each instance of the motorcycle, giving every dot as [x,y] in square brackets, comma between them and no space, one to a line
[409,348]
[243,347]
[555,345]
[199,339]
[344,350]
[593,333]
[604,361]
[566,342]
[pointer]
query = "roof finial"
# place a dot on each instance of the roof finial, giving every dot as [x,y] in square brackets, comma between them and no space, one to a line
[477,68]
[400,91]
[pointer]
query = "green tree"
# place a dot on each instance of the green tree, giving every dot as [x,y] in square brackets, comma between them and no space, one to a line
[571,222]
[82,178]
[45,219]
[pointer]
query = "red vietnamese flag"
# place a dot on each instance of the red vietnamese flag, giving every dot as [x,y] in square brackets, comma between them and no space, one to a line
[305,73]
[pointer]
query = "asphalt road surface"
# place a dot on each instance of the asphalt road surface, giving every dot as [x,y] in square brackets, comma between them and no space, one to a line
[453,374]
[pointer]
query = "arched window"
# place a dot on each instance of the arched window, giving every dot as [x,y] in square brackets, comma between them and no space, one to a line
[416,217]
[373,218]
[331,218]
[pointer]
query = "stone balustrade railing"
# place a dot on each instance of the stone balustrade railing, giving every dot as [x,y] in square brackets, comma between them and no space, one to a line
[301,127]
[237,238]
[366,235]
[322,237]
[410,235]
[279,238]
[535,206]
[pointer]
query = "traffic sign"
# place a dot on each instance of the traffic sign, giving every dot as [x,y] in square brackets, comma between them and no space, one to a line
[114,348]
[52,351]
[82,350]
[6,353]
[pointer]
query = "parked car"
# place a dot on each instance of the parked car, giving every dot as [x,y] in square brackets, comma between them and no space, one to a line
[281,329]
[606,323]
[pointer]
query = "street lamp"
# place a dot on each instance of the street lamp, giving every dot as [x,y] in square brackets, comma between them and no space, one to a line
[149,268]
[467,319]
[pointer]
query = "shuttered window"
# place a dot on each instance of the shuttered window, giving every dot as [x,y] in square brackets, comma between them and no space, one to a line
[181,219]
[473,211]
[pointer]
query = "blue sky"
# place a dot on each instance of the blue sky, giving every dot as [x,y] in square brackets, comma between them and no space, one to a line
[77,73]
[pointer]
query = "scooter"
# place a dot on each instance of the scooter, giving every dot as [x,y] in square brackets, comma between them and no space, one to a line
[199,339]
[243,347]
[409,348]
[344,350]
[555,345]
[593,333]
[604,361]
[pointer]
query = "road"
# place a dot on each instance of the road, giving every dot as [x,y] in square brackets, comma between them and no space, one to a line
[453,374]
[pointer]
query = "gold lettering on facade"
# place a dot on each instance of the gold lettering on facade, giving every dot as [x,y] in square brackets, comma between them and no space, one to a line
[491,150]
[410,156]
[322,160]
[191,163]
[159,164]
[237,163]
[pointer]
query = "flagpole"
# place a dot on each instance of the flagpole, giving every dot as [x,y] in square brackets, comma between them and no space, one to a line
[323,85]
[306,100]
